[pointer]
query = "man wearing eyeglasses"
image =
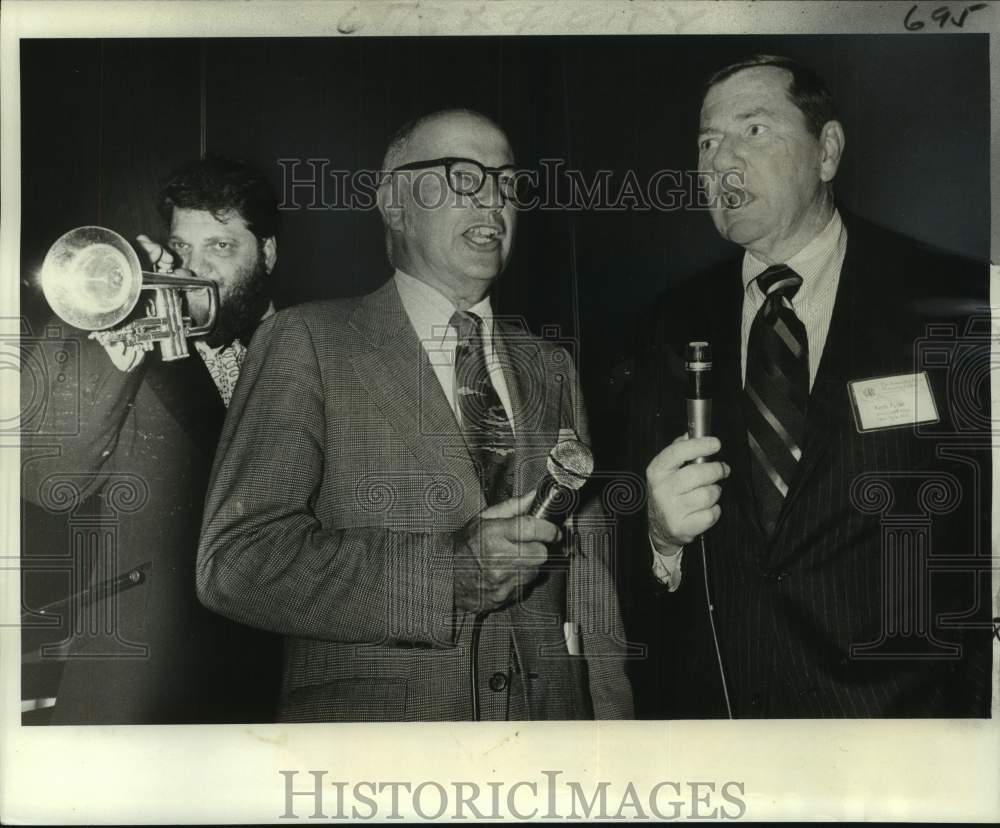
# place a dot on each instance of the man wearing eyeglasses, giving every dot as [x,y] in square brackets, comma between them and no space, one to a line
[370,494]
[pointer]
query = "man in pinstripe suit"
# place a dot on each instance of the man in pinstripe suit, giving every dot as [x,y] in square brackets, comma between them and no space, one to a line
[349,508]
[845,523]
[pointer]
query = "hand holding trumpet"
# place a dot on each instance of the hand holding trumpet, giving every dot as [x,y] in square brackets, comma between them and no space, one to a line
[159,257]
[92,279]
[127,357]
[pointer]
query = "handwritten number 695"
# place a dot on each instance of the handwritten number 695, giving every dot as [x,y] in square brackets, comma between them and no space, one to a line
[941,15]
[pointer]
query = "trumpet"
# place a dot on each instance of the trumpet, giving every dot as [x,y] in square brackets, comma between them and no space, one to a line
[92,280]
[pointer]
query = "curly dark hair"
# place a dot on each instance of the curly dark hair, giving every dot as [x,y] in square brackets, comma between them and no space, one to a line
[807,90]
[221,185]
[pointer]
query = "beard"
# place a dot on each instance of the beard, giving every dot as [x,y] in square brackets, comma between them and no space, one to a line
[241,308]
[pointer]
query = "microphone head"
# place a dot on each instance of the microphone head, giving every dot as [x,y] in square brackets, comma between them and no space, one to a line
[698,356]
[570,464]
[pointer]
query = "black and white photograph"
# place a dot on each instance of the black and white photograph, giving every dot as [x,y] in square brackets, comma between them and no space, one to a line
[580,411]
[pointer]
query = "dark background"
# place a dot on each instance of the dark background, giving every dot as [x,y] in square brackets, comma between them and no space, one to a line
[104,121]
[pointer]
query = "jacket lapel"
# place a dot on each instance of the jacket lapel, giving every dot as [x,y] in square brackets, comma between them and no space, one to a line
[187,392]
[399,378]
[186,389]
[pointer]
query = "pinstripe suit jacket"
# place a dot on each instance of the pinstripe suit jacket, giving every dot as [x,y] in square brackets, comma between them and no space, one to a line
[813,622]
[340,479]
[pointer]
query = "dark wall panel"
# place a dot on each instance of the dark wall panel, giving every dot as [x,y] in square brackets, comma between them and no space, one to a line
[102,122]
[60,148]
[105,120]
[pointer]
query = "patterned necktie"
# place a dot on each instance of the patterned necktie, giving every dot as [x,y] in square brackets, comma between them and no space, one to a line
[487,430]
[776,392]
[224,366]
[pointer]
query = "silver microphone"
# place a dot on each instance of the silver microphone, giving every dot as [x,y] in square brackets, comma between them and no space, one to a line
[698,367]
[570,464]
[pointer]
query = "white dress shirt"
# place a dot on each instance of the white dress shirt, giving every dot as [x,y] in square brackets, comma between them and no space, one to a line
[430,313]
[819,264]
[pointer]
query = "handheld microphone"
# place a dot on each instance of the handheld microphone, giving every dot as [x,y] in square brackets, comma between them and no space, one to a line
[570,464]
[698,367]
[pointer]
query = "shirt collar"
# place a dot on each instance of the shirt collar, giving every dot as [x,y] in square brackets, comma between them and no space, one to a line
[810,261]
[430,311]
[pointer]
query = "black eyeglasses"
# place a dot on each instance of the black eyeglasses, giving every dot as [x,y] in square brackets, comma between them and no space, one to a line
[466,176]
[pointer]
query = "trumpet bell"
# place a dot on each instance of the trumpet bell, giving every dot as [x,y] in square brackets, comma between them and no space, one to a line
[91,278]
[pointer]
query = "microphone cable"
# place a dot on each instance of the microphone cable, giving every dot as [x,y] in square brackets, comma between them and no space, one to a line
[698,403]
[711,623]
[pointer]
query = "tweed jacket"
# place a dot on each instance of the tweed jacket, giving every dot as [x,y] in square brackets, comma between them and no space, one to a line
[340,480]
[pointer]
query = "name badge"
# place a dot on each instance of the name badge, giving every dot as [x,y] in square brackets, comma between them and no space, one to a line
[892,402]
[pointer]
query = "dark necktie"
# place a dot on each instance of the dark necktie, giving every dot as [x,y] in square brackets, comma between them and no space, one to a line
[776,392]
[487,430]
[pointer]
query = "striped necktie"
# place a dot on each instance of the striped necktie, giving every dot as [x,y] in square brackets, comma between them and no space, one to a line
[487,429]
[776,392]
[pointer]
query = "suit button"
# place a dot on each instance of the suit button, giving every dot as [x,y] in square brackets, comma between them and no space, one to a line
[498,681]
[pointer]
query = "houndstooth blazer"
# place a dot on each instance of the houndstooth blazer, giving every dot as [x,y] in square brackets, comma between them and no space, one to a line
[339,480]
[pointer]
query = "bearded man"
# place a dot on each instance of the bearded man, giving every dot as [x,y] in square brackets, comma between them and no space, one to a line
[142,649]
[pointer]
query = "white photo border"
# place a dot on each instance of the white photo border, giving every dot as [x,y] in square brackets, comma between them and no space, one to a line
[929,770]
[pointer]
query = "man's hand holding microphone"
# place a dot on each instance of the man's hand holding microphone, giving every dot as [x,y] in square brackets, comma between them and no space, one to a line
[684,486]
[502,549]
[684,493]
[499,552]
